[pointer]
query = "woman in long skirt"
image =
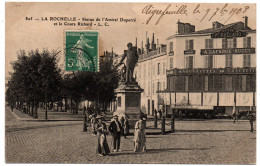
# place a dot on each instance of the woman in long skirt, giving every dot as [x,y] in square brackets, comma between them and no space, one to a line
[139,137]
[93,125]
[103,148]
[126,126]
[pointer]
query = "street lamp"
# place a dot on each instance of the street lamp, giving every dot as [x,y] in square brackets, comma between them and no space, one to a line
[46,117]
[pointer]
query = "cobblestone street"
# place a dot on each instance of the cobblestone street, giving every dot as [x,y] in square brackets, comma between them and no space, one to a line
[194,142]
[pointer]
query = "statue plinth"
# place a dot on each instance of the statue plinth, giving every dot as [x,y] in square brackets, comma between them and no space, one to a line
[129,101]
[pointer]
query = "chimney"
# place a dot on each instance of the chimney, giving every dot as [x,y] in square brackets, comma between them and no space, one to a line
[147,45]
[181,27]
[153,44]
[246,22]
[216,25]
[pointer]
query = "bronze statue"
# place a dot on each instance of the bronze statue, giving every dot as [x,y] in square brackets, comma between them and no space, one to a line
[123,73]
[132,59]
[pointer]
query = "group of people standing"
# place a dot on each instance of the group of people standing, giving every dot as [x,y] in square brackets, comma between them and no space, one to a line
[117,128]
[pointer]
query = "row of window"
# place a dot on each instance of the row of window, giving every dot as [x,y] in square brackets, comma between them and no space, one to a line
[226,43]
[156,70]
[159,86]
[212,83]
[208,61]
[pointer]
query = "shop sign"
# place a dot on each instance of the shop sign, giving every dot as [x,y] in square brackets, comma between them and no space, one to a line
[189,51]
[227,51]
[228,33]
[213,71]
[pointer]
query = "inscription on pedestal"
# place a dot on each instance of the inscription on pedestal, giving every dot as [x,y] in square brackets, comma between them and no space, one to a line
[132,100]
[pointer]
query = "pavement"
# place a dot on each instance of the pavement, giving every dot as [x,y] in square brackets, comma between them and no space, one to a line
[194,142]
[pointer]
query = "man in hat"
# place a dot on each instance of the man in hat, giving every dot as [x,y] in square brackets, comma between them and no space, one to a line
[115,128]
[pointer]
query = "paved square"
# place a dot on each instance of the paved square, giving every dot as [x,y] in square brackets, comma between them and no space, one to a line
[195,142]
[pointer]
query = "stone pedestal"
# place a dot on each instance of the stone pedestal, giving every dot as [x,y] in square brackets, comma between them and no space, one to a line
[129,101]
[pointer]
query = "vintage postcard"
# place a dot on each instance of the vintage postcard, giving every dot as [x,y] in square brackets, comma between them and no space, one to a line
[130,83]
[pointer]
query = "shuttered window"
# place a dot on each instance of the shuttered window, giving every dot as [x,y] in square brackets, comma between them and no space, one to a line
[189,44]
[246,61]
[247,42]
[229,60]
[189,62]
[206,83]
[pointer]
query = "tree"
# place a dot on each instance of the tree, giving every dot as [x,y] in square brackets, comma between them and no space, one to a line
[93,86]
[33,77]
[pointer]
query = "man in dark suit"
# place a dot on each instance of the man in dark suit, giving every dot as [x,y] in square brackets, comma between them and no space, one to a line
[116,130]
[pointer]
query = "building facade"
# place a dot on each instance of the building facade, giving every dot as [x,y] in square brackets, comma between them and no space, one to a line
[150,74]
[211,69]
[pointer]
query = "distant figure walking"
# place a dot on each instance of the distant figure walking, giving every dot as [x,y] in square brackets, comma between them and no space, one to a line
[139,136]
[93,124]
[160,113]
[126,126]
[115,128]
[251,118]
[180,115]
[122,122]
[102,148]
[234,117]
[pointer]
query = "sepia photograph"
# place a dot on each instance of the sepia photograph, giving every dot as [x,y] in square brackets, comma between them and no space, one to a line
[130,83]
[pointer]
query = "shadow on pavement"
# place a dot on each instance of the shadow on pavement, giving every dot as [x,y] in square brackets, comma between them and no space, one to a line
[173,149]
[149,151]
[207,130]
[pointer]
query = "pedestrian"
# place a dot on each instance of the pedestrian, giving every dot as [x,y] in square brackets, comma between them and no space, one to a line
[234,117]
[122,122]
[180,115]
[139,136]
[126,126]
[93,125]
[238,115]
[155,112]
[251,118]
[102,148]
[115,128]
[160,113]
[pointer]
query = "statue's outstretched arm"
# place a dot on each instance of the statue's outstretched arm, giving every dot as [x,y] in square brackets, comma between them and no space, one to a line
[121,61]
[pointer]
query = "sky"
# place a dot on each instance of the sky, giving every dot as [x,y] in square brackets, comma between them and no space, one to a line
[22,33]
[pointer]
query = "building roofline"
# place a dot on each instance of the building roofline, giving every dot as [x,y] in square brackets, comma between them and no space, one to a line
[201,34]
[152,57]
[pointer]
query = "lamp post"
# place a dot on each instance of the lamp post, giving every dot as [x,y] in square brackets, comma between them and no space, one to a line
[46,116]
[84,117]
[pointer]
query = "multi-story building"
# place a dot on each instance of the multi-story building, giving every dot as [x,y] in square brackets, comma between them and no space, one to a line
[150,74]
[211,69]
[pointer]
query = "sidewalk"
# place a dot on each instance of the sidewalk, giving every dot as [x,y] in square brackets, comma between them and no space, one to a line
[67,116]
[51,115]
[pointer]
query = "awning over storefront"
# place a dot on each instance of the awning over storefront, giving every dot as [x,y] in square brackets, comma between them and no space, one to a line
[244,99]
[210,99]
[195,99]
[181,98]
[226,99]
